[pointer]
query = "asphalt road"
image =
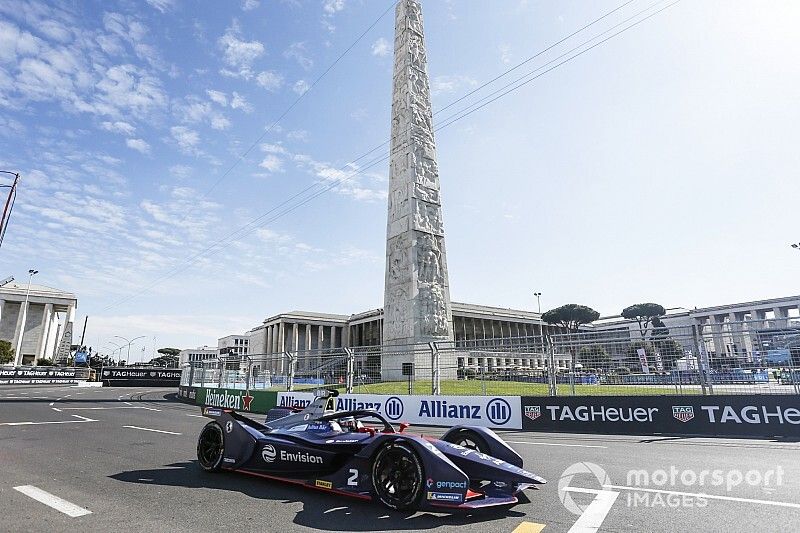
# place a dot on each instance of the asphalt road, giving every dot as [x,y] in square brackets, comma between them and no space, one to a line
[73,444]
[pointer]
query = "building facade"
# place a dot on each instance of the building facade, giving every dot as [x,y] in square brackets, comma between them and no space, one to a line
[234,345]
[192,355]
[33,320]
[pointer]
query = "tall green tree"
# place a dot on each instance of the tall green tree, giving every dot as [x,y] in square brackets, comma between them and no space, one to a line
[571,316]
[643,314]
[169,351]
[594,356]
[6,352]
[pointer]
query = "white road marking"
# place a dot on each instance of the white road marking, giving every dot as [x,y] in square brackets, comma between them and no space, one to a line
[51,404]
[56,409]
[61,505]
[127,403]
[82,419]
[592,517]
[196,416]
[153,430]
[708,496]
[555,444]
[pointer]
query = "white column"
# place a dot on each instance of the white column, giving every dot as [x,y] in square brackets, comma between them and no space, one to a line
[71,313]
[18,335]
[268,349]
[48,311]
[52,335]
[2,304]
[295,337]
[320,336]
[308,337]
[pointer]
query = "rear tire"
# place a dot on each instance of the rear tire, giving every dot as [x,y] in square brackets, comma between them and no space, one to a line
[211,447]
[398,476]
[468,439]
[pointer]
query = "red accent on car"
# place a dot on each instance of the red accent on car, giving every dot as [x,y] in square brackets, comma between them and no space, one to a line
[404,426]
[471,494]
[306,484]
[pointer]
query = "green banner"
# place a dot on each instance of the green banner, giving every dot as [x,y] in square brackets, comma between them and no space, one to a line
[237,399]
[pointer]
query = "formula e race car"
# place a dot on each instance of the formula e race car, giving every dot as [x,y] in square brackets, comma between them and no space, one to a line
[317,447]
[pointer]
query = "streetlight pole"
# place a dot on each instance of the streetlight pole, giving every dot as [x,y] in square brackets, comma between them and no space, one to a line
[538,301]
[18,352]
[117,347]
[129,345]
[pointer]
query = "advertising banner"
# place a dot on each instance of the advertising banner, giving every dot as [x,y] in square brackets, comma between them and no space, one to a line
[486,411]
[256,401]
[130,376]
[41,375]
[752,415]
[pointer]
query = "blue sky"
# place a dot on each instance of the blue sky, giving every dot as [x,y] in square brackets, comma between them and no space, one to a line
[659,166]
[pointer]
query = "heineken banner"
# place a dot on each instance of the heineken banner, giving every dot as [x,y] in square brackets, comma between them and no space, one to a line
[42,375]
[133,376]
[256,401]
[724,415]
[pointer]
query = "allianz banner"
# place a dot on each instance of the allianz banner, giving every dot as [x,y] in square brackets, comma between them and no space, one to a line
[133,376]
[447,411]
[751,415]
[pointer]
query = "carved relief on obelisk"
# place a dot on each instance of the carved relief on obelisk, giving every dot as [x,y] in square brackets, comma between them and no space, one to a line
[417,294]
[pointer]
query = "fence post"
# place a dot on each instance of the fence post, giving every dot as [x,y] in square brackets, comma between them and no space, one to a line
[700,358]
[351,369]
[292,357]
[221,365]
[247,379]
[551,364]
[434,368]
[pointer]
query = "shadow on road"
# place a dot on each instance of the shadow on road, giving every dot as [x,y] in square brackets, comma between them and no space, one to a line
[322,511]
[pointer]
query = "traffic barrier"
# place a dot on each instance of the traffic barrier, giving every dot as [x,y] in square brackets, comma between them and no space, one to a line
[724,415]
[133,376]
[42,375]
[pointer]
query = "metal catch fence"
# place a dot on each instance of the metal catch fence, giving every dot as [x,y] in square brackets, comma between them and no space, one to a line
[754,357]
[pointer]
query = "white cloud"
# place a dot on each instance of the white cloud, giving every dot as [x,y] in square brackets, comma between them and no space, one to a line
[238,53]
[449,84]
[239,102]
[301,86]
[126,88]
[332,6]
[180,171]
[297,135]
[220,122]
[381,48]
[505,54]
[118,127]
[249,5]
[162,5]
[272,163]
[186,138]
[270,80]
[217,97]
[140,145]
[273,149]
[359,114]
[297,51]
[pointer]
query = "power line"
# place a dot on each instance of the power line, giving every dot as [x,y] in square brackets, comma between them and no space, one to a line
[259,222]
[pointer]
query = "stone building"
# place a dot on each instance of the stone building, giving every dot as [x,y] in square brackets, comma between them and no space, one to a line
[192,355]
[45,314]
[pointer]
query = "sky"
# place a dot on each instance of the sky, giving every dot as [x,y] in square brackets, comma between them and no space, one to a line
[191,168]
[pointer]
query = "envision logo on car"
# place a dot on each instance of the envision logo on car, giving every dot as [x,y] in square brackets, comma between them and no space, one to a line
[268,453]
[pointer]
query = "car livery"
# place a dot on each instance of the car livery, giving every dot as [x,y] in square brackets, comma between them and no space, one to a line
[333,450]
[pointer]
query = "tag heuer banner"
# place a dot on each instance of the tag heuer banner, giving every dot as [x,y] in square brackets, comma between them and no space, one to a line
[752,415]
[134,376]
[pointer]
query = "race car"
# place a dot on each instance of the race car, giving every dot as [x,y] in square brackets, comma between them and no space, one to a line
[358,453]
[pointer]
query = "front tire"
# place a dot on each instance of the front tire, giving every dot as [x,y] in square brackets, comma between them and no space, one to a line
[469,439]
[397,476]
[210,447]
